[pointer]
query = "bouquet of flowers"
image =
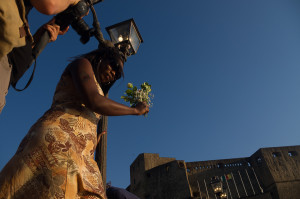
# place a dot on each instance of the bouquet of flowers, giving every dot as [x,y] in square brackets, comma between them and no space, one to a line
[133,95]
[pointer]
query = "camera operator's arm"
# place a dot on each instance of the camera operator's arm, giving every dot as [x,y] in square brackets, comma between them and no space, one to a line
[50,7]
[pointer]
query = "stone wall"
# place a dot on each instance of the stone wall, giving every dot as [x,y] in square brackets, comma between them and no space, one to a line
[268,173]
[142,163]
[167,181]
[152,176]
[279,170]
[237,174]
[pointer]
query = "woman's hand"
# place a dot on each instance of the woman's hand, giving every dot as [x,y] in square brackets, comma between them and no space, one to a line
[142,108]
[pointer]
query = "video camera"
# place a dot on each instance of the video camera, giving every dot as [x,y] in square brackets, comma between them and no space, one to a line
[73,16]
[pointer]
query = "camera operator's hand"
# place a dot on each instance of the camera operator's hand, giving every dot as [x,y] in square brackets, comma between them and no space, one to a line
[53,30]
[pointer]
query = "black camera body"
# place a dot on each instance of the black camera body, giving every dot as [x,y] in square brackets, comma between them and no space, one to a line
[73,16]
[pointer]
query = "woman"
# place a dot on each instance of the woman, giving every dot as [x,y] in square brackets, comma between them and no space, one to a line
[56,157]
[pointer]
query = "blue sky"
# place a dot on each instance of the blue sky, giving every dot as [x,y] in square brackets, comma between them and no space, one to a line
[225,75]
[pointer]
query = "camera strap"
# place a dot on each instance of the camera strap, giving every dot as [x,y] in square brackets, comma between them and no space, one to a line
[29,81]
[21,59]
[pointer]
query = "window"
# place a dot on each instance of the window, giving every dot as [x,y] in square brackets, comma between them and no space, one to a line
[276,154]
[292,153]
[258,160]
[181,165]
[220,165]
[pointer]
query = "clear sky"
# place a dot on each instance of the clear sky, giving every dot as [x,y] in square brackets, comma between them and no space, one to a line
[225,75]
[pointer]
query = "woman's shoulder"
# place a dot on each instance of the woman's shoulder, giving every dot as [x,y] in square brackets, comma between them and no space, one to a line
[79,64]
[80,69]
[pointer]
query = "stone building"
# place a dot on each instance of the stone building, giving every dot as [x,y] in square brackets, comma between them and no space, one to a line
[270,173]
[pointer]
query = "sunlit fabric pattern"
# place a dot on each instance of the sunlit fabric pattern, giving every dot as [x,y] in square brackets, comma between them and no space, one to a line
[56,157]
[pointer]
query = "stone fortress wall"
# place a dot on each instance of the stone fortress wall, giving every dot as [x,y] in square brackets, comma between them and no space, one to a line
[269,173]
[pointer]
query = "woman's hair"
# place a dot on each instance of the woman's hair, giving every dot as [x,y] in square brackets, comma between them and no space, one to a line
[106,53]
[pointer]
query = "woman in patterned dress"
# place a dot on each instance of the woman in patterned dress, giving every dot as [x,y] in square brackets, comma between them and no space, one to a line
[56,157]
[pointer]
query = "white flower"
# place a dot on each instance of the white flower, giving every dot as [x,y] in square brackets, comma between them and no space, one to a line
[134,95]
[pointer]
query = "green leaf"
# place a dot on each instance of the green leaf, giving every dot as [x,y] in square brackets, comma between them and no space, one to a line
[129,91]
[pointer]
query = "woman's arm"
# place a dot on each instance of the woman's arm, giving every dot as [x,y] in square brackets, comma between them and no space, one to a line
[51,7]
[83,78]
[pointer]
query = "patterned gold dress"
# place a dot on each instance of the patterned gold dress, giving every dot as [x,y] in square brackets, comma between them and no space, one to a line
[56,157]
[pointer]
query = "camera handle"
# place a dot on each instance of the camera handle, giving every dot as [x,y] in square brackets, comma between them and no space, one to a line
[40,45]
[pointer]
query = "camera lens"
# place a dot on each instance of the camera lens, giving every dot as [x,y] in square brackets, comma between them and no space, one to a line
[82,28]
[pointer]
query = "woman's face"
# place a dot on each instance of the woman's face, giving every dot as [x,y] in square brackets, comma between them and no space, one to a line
[110,70]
